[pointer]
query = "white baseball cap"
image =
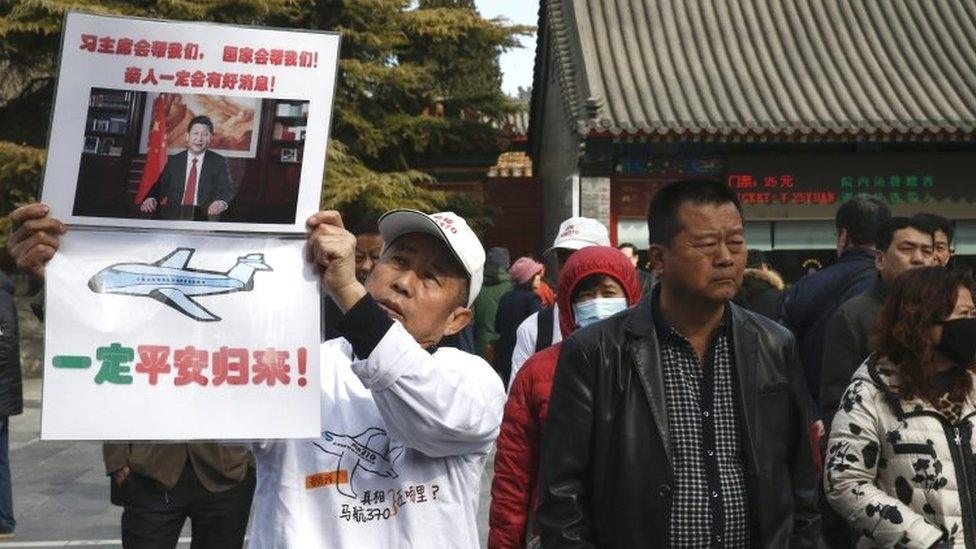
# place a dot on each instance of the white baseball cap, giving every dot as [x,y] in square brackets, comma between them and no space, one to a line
[448,227]
[579,232]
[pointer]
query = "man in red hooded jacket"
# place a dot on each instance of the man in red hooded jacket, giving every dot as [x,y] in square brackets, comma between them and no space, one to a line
[595,283]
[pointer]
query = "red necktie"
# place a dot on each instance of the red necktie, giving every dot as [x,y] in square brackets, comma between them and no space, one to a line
[191,185]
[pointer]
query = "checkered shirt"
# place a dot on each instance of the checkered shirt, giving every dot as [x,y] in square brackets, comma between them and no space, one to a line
[709,500]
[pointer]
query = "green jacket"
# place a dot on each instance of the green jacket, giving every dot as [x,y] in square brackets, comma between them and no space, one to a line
[485,307]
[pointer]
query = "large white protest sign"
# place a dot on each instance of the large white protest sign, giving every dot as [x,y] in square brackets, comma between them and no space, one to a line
[180,337]
[131,91]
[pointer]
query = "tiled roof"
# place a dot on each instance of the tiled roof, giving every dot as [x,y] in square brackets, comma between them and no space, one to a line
[904,68]
[512,164]
[518,122]
[514,124]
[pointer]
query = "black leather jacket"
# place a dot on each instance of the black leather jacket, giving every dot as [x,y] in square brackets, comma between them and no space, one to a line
[605,467]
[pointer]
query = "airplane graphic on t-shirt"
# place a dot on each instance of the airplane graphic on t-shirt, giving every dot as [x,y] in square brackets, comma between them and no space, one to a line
[369,450]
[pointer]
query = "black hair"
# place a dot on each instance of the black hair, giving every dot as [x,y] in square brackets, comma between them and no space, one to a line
[462,300]
[628,245]
[755,259]
[367,225]
[862,218]
[662,215]
[590,282]
[938,223]
[887,232]
[202,119]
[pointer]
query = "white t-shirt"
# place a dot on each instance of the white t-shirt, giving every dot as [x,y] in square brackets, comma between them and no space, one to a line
[407,434]
[525,337]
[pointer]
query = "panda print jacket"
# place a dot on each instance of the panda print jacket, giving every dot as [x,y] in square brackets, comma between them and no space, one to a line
[901,472]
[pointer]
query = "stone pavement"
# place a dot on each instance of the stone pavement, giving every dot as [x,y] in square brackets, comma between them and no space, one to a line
[61,494]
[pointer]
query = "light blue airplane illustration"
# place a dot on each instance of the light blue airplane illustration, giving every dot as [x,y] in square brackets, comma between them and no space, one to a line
[169,281]
[369,450]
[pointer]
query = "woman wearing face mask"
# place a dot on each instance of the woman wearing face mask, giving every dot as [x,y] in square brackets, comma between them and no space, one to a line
[595,283]
[900,463]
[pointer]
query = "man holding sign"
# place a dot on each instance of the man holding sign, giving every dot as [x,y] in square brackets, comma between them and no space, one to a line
[408,423]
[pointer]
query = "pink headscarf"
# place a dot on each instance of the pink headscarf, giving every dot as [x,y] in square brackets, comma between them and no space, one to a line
[524,269]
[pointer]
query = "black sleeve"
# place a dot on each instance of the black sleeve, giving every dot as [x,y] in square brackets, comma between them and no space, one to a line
[841,357]
[806,512]
[364,326]
[156,191]
[224,189]
[564,519]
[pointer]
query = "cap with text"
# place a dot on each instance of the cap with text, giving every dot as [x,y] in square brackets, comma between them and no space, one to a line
[579,232]
[452,229]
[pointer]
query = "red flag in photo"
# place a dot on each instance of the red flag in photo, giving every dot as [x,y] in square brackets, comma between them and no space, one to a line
[156,155]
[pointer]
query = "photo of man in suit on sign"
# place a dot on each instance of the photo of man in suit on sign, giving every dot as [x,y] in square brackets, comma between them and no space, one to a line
[196,183]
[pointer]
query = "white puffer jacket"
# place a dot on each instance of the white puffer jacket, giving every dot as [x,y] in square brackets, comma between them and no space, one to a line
[899,471]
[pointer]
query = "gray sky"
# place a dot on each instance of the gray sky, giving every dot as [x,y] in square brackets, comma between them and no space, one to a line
[516,64]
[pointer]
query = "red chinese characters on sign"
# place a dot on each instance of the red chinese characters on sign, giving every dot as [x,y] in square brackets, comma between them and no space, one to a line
[810,197]
[199,79]
[740,181]
[153,361]
[229,366]
[775,189]
[273,56]
[270,367]
[161,49]
[190,363]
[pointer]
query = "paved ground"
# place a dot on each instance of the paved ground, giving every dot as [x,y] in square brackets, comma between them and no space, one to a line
[61,493]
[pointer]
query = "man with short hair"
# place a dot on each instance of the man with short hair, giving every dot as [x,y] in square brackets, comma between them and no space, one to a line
[407,422]
[647,280]
[903,243]
[369,244]
[485,308]
[630,252]
[762,287]
[195,184]
[574,234]
[809,304]
[944,231]
[681,422]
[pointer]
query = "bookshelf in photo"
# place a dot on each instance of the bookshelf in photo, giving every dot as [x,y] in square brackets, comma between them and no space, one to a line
[109,114]
[108,149]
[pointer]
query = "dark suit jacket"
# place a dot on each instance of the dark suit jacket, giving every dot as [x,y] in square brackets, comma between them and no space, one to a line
[606,476]
[213,183]
[846,345]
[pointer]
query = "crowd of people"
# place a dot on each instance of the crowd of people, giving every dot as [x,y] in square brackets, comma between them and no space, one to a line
[701,402]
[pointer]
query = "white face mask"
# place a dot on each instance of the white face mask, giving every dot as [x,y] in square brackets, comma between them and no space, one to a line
[591,311]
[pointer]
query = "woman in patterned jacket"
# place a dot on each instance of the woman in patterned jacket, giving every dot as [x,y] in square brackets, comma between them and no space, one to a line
[900,463]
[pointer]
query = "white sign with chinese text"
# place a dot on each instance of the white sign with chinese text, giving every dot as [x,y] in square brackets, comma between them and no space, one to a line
[125,149]
[180,337]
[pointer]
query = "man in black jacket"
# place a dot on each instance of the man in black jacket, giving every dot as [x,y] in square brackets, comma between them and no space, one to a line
[809,304]
[11,397]
[196,183]
[903,243]
[762,287]
[681,422]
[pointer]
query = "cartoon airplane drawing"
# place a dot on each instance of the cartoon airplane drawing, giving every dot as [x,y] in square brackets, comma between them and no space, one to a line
[369,450]
[169,281]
